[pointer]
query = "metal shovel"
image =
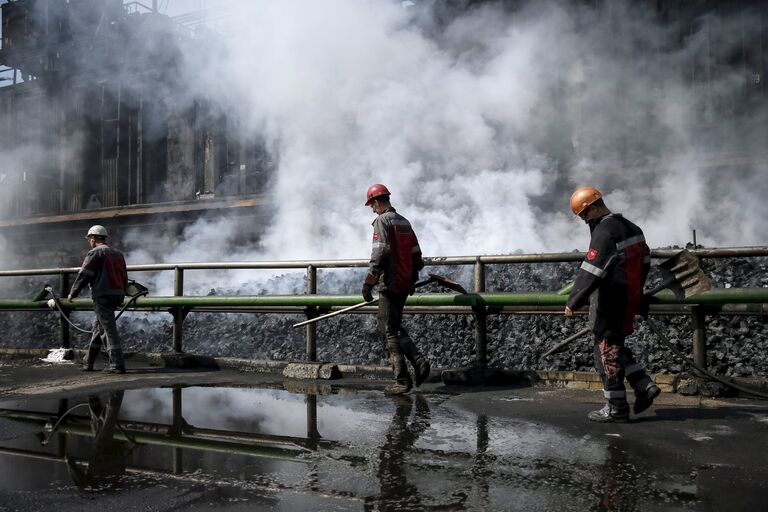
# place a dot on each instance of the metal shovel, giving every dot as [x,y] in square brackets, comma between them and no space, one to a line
[433,278]
[681,273]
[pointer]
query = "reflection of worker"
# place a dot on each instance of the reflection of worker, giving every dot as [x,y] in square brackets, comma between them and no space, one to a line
[394,267]
[611,278]
[106,457]
[616,486]
[104,270]
[396,492]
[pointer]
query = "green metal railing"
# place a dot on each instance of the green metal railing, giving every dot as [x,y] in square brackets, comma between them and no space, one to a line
[295,303]
[479,304]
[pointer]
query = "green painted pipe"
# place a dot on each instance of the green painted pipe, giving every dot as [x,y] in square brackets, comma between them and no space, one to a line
[715,297]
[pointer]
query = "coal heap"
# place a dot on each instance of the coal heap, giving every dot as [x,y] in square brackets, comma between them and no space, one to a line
[736,345]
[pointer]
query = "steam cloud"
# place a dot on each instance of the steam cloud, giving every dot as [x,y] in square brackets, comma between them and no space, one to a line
[481,123]
[482,128]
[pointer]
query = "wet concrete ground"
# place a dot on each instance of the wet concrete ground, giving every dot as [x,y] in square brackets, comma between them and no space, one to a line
[157,439]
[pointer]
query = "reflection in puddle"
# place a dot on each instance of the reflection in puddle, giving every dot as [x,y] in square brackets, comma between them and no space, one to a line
[288,451]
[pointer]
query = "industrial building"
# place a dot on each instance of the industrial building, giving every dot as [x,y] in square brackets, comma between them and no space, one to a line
[91,127]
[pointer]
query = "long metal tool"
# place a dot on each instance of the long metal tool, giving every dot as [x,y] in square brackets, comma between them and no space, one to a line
[566,341]
[665,341]
[433,278]
[681,273]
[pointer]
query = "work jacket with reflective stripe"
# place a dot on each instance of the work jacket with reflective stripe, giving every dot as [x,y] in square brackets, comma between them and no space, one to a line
[612,275]
[396,255]
[103,269]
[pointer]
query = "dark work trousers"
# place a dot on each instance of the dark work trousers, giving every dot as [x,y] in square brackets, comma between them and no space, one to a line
[105,330]
[614,362]
[107,455]
[398,343]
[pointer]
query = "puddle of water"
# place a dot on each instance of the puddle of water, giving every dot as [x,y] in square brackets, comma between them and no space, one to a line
[287,451]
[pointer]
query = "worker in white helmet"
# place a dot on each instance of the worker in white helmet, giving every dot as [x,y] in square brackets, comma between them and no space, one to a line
[104,270]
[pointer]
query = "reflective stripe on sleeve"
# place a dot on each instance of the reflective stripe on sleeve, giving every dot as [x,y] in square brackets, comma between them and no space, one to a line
[630,241]
[592,269]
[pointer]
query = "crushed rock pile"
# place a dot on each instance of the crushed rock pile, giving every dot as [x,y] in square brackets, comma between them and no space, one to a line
[736,345]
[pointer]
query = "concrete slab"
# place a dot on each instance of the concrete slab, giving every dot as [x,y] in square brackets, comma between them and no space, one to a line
[439,447]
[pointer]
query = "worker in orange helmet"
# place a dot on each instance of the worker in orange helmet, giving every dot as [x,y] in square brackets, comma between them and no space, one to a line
[611,280]
[394,267]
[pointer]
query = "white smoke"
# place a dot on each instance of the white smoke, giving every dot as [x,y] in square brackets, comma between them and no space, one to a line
[480,132]
[30,176]
[481,123]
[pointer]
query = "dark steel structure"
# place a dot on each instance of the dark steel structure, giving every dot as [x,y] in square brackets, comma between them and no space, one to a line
[94,124]
[91,125]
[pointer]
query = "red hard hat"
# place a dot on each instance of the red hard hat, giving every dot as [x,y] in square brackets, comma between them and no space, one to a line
[375,191]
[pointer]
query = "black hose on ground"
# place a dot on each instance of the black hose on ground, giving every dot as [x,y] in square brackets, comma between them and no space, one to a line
[56,302]
[665,341]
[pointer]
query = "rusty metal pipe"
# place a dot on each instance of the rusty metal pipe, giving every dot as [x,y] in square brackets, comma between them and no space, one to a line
[716,298]
[723,252]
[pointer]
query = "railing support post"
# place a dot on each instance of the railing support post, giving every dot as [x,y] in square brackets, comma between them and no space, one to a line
[177,430]
[63,324]
[311,313]
[312,433]
[481,356]
[698,323]
[178,312]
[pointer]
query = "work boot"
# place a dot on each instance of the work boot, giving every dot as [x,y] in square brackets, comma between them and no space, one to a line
[87,365]
[422,369]
[420,364]
[399,368]
[610,414]
[398,388]
[116,360]
[90,357]
[114,369]
[644,399]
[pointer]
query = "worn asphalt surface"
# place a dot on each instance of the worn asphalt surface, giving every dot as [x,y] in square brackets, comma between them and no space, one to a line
[441,448]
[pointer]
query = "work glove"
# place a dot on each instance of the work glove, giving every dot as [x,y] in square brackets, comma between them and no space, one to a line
[367,295]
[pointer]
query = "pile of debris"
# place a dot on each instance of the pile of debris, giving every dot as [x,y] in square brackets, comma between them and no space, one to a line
[736,345]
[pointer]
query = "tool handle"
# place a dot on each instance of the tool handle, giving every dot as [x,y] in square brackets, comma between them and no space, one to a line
[664,284]
[334,313]
[586,330]
[566,341]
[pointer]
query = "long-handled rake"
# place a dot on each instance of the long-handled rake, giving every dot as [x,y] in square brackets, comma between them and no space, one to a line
[433,278]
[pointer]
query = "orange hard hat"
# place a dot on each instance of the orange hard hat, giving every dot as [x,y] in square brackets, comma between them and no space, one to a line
[375,191]
[583,197]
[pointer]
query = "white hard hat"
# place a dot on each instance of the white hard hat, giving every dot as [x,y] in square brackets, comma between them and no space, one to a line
[98,230]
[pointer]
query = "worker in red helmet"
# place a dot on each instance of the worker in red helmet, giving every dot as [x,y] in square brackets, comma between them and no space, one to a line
[611,280]
[394,267]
